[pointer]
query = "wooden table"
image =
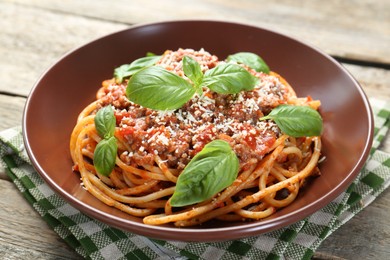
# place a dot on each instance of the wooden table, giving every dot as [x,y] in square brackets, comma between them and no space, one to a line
[34,34]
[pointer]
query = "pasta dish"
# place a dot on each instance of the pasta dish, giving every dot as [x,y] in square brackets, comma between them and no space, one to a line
[185,137]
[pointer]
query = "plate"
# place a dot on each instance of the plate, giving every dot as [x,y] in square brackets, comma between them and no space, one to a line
[70,84]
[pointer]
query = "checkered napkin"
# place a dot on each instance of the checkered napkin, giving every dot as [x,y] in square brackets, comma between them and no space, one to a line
[95,240]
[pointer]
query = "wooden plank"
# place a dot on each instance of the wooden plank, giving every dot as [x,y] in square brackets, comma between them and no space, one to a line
[11,111]
[347,29]
[3,175]
[351,240]
[23,233]
[32,39]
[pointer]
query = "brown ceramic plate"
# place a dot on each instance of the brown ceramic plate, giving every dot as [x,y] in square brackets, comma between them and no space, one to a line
[71,83]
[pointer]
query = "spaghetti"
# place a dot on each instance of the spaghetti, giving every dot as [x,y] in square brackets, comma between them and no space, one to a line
[154,147]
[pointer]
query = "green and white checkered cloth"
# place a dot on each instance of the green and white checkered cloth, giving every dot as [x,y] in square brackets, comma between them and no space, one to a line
[95,240]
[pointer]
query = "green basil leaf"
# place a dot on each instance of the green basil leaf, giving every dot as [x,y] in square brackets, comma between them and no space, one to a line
[229,79]
[148,54]
[251,60]
[209,172]
[193,71]
[156,88]
[105,155]
[128,70]
[105,122]
[297,121]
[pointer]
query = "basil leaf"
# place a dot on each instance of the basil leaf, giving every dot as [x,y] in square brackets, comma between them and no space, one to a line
[105,122]
[209,172]
[148,54]
[105,155]
[296,121]
[193,71]
[229,79]
[156,88]
[128,70]
[251,60]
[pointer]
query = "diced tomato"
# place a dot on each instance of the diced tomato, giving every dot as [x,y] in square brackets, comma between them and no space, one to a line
[251,141]
[124,131]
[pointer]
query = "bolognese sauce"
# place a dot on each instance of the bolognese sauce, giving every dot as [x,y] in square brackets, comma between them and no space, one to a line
[177,136]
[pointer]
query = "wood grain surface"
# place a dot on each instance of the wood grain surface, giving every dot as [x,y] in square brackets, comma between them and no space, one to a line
[34,34]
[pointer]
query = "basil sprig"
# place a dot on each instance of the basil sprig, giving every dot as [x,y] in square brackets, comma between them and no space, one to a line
[252,60]
[127,70]
[209,172]
[156,88]
[296,121]
[106,150]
